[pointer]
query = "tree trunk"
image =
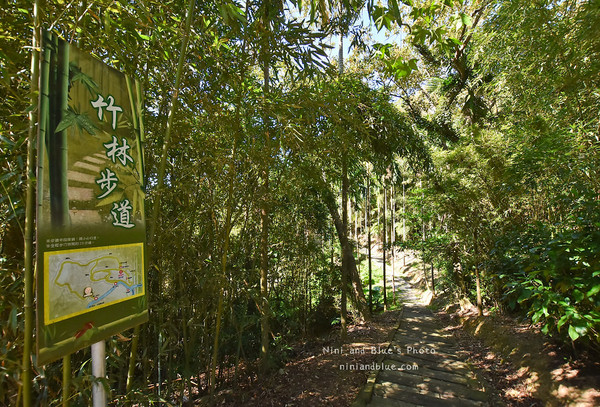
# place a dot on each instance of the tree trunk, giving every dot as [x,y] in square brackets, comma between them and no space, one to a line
[392,242]
[357,296]
[432,280]
[356,222]
[423,232]
[477,276]
[345,248]
[368,226]
[384,240]
[478,285]
[264,269]
[403,222]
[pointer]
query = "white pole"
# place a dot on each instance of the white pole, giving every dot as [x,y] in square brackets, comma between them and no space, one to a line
[98,370]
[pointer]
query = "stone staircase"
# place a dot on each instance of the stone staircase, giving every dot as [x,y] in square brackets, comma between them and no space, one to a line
[423,365]
[82,188]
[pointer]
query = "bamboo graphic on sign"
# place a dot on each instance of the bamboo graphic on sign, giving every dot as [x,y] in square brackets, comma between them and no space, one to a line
[90,147]
[56,104]
[26,374]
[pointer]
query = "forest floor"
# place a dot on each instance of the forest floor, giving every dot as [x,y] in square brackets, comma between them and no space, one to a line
[521,365]
[316,374]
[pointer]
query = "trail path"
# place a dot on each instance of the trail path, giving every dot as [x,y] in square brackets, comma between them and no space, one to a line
[422,365]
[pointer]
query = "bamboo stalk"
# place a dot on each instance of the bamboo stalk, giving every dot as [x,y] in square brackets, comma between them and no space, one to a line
[136,114]
[393,242]
[136,120]
[384,207]
[368,219]
[423,233]
[66,380]
[59,95]
[403,222]
[161,176]
[29,215]
[63,103]
[226,239]
[132,356]
[62,200]
[220,304]
[264,210]
[172,109]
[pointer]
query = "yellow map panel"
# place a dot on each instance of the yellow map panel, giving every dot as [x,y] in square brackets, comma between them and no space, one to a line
[82,280]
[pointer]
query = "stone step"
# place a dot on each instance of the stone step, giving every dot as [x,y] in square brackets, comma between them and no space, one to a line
[96,160]
[435,361]
[80,194]
[424,374]
[427,392]
[84,216]
[441,378]
[82,165]
[81,177]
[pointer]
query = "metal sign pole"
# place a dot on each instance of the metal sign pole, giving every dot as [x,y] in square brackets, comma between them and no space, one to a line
[98,371]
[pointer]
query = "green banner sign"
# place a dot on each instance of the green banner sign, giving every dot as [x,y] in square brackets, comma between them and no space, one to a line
[91,232]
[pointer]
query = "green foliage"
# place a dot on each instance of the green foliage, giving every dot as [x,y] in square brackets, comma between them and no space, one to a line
[556,280]
[11,328]
[514,132]
[488,114]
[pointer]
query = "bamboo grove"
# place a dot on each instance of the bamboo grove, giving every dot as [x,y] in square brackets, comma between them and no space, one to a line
[472,142]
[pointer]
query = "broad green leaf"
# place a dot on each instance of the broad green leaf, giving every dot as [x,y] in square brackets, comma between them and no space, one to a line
[79,76]
[577,295]
[562,321]
[593,291]
[395,10]
[466,19]
[573,333]
[6,141]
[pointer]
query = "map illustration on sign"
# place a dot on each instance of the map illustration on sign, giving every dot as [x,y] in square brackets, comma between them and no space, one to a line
[81,280]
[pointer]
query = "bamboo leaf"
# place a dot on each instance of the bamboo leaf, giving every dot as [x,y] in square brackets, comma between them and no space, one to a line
[112,198]
[66,122]
[76,75]
[12,321]
[81,120]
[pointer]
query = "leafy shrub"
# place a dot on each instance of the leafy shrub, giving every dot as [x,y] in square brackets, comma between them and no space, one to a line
[557,280]
[321,317]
